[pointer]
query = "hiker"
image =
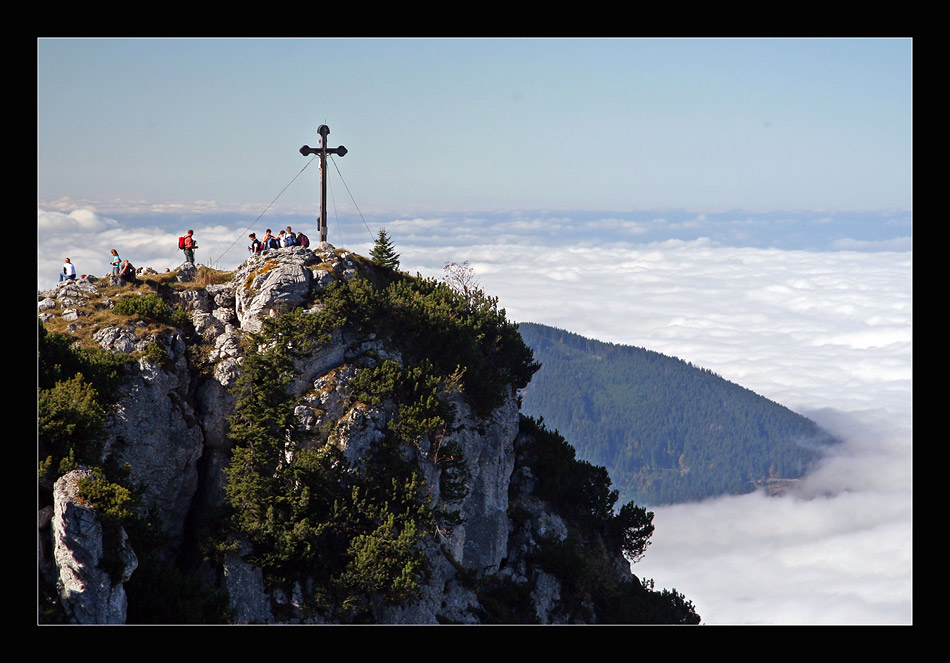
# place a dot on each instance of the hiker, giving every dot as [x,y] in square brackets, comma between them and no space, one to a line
[255,246]
[303,240]
[188,245]
[116,262]
[290,240]
[127,272]
[269,242]
[69,271]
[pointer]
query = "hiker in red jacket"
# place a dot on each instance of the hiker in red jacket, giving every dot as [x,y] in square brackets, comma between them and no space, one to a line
[188,244]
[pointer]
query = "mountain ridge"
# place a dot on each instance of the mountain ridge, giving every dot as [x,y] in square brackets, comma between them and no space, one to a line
[666,431]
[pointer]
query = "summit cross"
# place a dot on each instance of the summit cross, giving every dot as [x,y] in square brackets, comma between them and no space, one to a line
[322,152]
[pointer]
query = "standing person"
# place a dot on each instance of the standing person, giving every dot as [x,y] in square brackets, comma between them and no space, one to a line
[255,246]
[188,244]
[116,262]
[69,271]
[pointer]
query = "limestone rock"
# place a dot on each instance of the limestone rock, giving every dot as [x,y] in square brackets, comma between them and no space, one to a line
[186,272]
[117,339]
[154,429]
[250,601]
[482,542]
[88,594]
[271,280]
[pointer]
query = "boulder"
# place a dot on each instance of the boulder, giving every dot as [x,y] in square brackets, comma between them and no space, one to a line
[89,594]
[273,280]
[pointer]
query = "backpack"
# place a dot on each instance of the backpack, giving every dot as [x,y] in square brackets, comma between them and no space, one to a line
[304,240]
[181,242]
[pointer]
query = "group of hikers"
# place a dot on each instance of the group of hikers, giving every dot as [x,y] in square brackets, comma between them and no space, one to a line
[124,269]
[281,240]
[121,268]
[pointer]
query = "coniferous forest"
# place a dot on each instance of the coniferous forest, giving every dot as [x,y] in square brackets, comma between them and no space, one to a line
[666,431]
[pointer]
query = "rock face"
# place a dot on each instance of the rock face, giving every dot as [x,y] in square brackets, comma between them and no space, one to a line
[156,432]
[89,594]
[171,427]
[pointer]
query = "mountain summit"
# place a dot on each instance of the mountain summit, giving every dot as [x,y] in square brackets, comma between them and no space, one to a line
[314,439]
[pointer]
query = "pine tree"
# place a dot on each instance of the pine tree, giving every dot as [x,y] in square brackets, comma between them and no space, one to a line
[383,253]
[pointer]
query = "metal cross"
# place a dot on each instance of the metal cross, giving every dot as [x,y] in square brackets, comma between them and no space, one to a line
[323,151]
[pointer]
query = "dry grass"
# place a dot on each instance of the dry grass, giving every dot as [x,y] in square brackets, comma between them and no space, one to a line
[208,276]
[96,312]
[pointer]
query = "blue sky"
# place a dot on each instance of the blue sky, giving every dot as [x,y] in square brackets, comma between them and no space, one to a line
[480,124]
[745,205]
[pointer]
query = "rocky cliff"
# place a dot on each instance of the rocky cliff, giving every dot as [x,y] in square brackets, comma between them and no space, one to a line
[492,519]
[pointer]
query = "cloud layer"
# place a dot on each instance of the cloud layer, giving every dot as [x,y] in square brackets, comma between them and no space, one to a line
[825,333]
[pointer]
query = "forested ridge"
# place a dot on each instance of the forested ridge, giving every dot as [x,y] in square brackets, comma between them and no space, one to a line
[666,431]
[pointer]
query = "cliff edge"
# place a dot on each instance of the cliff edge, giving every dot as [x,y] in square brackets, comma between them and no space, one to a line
[317,439]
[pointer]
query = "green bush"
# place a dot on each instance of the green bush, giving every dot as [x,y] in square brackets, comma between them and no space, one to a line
[148,306]
[428,320]
[386,560]
[70,417]
[581,493]
[416,392]
[307,513]
[633,602]
[577,488]
[60,359]
[151,307]
[77,390]
[114,503]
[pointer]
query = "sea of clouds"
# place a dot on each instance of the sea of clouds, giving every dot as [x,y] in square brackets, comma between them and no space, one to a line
[813,311]
[826,333]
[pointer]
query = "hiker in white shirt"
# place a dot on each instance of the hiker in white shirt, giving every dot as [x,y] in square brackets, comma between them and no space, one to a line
[69,271]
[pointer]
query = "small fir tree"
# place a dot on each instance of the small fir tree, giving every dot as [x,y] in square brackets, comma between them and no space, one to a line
[383,253]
